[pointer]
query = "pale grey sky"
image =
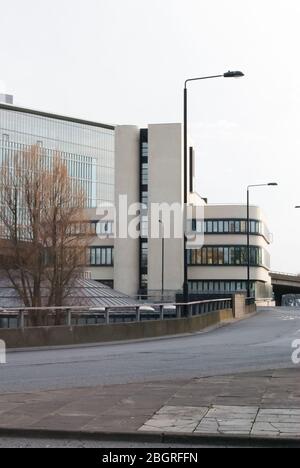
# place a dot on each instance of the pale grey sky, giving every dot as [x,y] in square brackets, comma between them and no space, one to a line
[124,61]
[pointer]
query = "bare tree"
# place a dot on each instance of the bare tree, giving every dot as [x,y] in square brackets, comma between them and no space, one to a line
[44,232]
[65,233]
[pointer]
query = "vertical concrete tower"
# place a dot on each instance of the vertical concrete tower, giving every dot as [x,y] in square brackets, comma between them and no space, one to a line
[165,186]
[127,168]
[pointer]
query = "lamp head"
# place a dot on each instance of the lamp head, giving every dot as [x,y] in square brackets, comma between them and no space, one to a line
[233,74]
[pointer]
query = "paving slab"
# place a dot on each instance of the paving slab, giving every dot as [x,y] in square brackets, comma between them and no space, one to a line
[225,420]
[187,411]
[228,419]
[233,411]
[276,429]
[175,419]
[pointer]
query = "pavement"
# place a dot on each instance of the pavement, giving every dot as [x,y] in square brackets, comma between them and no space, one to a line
[259,404]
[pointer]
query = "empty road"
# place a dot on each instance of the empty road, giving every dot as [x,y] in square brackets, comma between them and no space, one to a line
[261,342]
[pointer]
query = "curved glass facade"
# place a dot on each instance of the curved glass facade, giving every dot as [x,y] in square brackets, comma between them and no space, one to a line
[219,286]
[87,148]
[231,226]
[228,256]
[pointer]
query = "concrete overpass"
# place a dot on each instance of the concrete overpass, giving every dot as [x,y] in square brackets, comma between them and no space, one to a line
[284,283]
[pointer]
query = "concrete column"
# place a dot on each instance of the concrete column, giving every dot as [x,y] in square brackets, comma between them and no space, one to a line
[69,317]
[165,186]
[21,319]
[127,167]
[239,305]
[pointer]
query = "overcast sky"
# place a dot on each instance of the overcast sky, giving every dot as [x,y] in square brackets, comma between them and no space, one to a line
[125,61]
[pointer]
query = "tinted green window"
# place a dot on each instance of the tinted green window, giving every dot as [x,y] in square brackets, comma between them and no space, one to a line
[215,256]
[231,226]
[209,227]
[243,227]
[231,255]
[204,256]
[221,256]
[209,256]
[101,256]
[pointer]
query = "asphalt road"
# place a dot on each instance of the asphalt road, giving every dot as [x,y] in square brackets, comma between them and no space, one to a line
[263,341]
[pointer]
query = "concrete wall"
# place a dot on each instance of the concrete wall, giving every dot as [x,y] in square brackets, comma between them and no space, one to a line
[126,252]
[233,211]
[235,239]
[165,186]
[101,273]
[228,273]
[61,336]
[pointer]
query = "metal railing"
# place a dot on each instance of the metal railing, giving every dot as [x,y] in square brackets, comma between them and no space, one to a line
[204,307]
[72,316]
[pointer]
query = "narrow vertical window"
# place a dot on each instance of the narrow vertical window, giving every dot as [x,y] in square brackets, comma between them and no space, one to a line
[204,256]
[209,256]
[209,227]
[215,256]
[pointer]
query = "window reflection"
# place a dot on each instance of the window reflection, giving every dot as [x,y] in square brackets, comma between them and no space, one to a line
[219,286]
[100,256]
[229,255]
[230,226]
[87,149]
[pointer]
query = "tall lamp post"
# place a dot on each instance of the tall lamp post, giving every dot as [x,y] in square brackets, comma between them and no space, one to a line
[229,74]
[270,184]
[162,260]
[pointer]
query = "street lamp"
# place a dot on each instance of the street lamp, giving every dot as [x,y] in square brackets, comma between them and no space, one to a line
[270,184]
[229,74]
[162,259]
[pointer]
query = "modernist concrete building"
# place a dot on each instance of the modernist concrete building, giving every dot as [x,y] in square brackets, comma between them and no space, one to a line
[145,166]
[149,170]
[218,265]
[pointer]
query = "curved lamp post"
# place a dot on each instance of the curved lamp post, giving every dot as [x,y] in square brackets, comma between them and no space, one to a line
[229,74]
[270,184]
[162,259]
